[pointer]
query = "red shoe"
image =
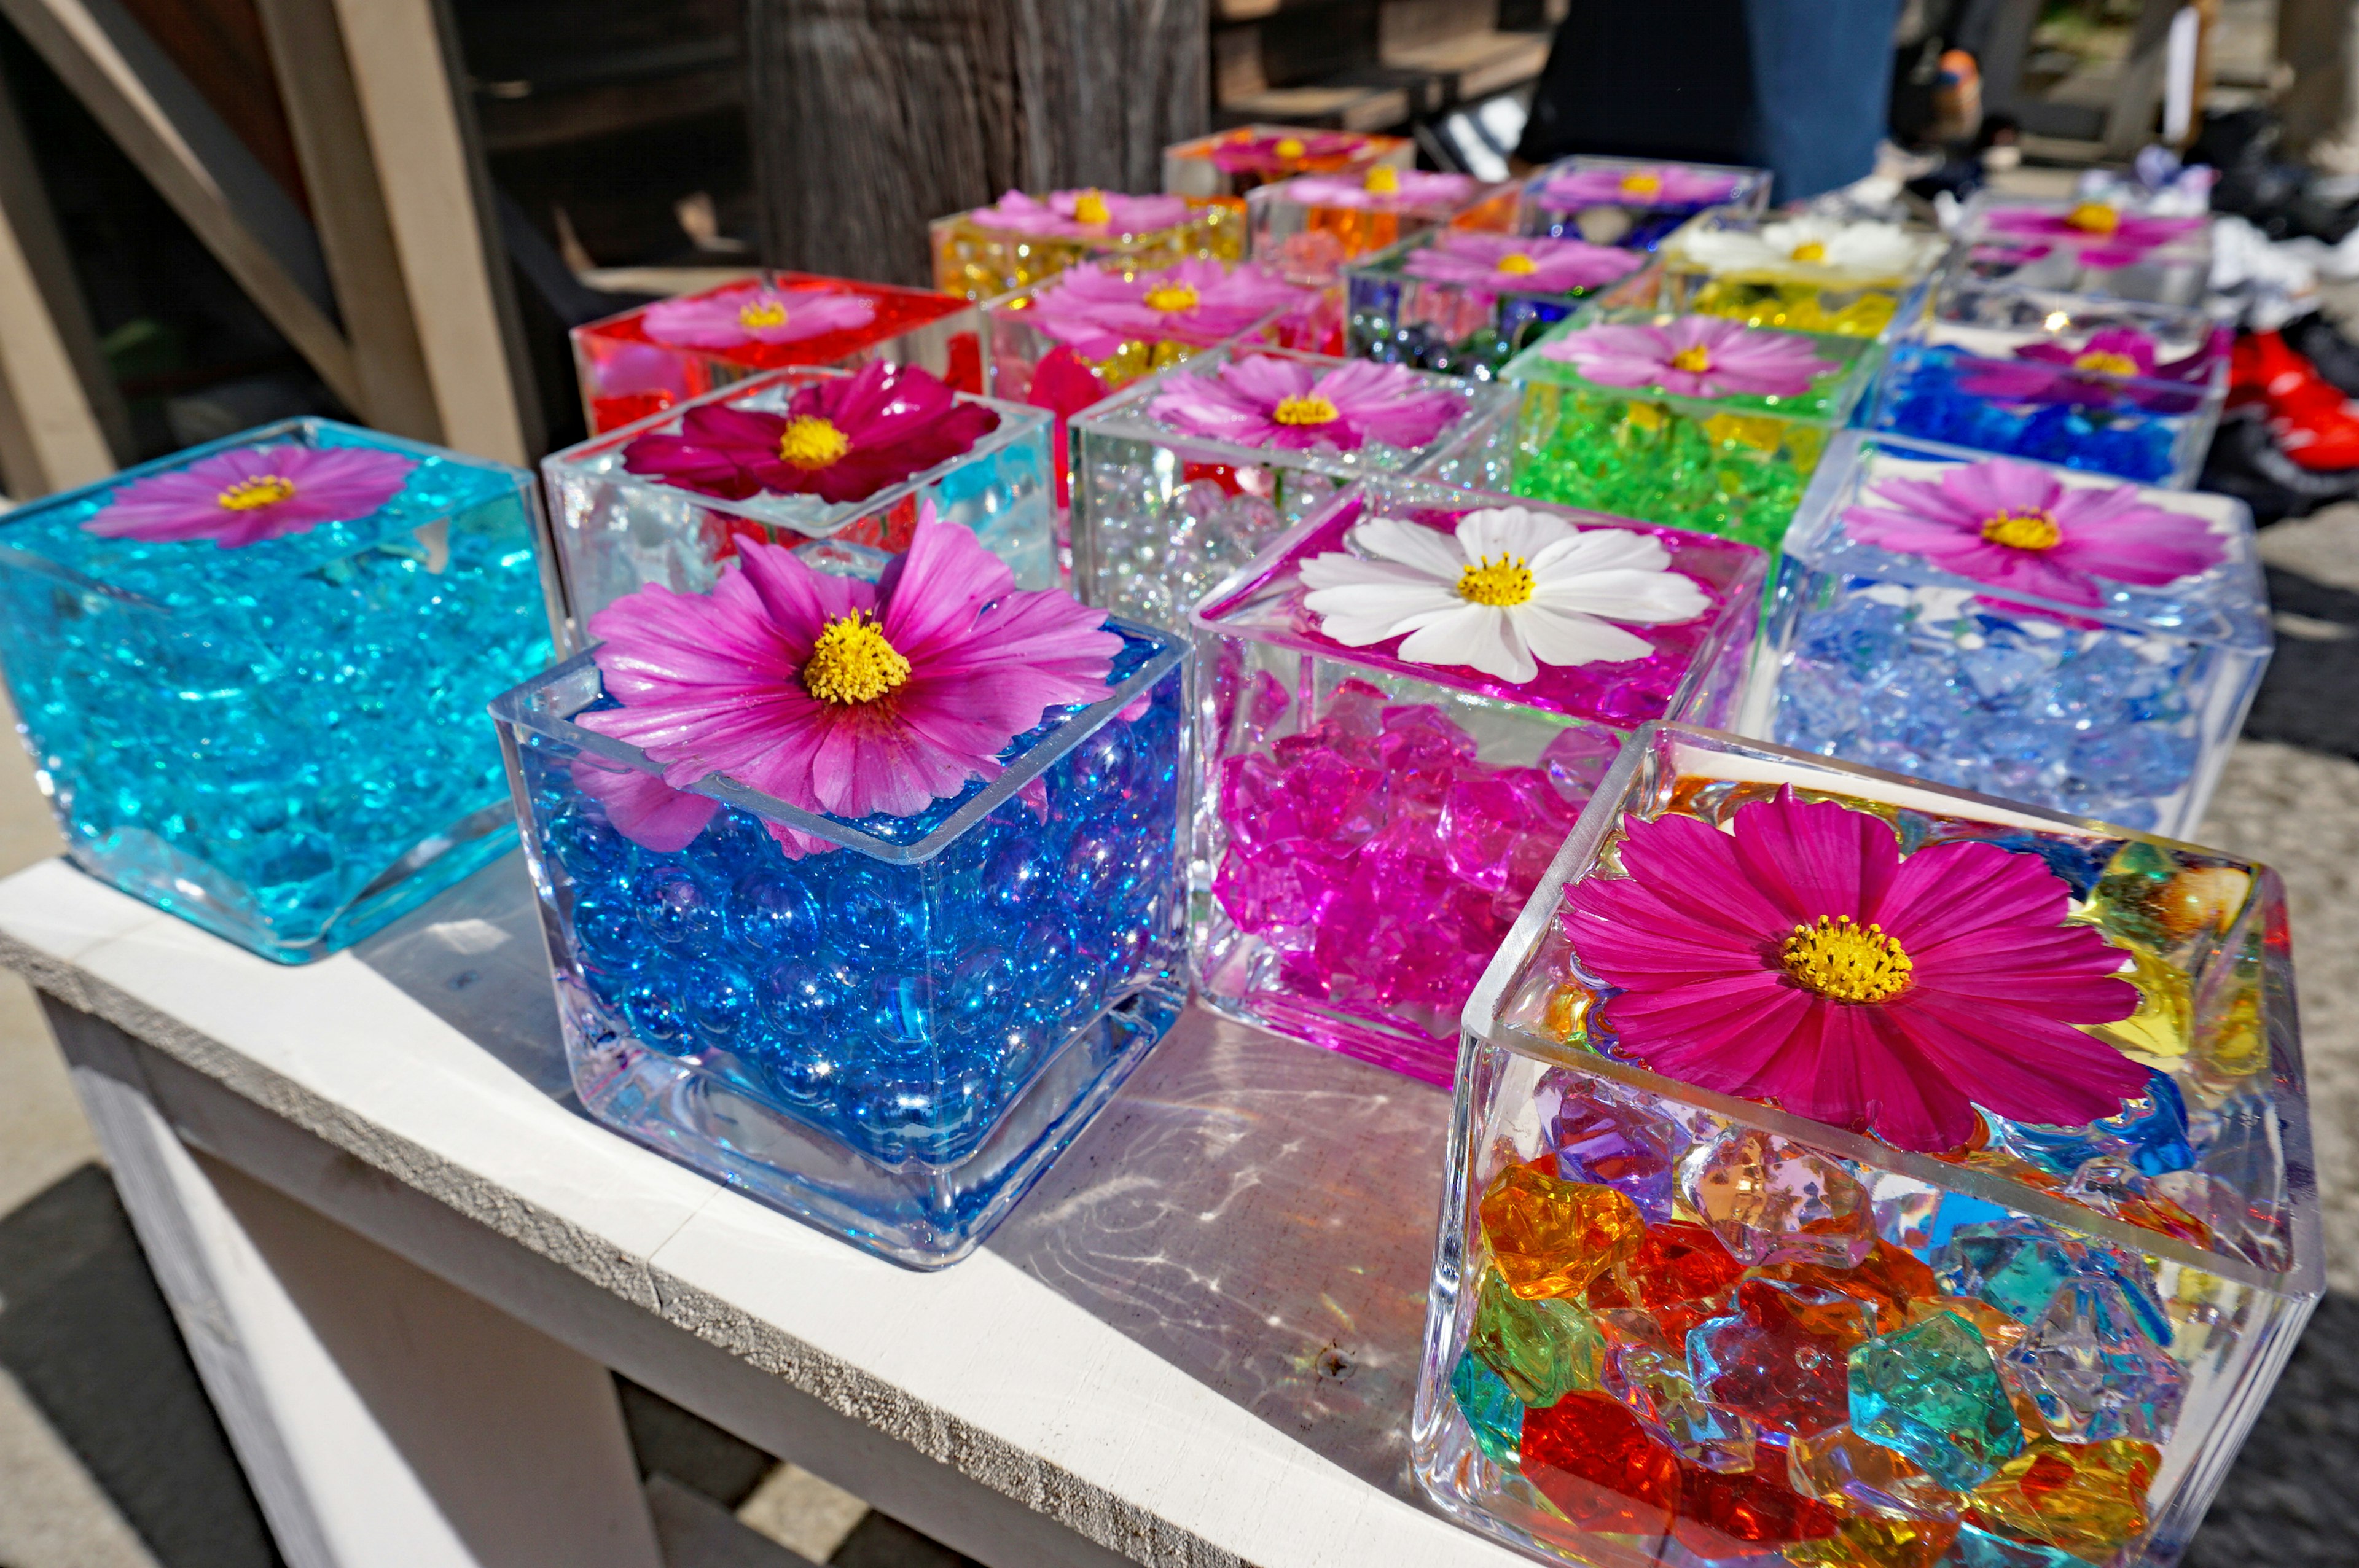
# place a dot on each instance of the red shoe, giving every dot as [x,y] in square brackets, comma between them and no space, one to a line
[2312,419]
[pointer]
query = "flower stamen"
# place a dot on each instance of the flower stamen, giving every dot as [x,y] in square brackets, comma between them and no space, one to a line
[2031,530]
[1382,180]
[1639,182]
[1810,250]
[812,443]
[1502,584]
[2107,364]
[261,489]
[2093,218]
[1091,208]
[1845,962]
[1307,409]
[1517,263]
[1695,360]
[762,313]
[1169,297]
[1289,146]
[852,663]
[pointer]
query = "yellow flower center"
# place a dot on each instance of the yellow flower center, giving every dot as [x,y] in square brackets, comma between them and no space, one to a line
[261,489]
[1810,250]
[812,443]
[1639,182]
[2095,218]
[1501,583]
[1694,361]
[1518,262]
[1383,180]
[762,313]
[1292,147]
[1309,409]
[1170,297]
[1846,962]
[2022,530]
[1092,208]
[851,662]
[2107,364]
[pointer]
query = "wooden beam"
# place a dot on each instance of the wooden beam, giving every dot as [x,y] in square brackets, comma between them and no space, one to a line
[175,139]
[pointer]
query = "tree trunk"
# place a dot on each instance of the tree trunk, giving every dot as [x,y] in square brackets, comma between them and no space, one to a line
[870,117]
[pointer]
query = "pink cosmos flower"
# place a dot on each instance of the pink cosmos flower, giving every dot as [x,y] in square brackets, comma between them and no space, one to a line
[1654,185]
[732,318]
[1082,214]
[248,494]
[1489,264]
[1695,356]
[1801,958]
[1260,400]
[842,438]
[2107,236]
[1097,310]
[1384,187]
[835,695]
[1243,152]
[2019,527]
[2092,373]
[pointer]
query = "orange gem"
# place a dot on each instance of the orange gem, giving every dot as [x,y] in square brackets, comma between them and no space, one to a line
[1552,1237]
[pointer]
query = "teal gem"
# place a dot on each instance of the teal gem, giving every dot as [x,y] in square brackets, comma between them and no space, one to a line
[1978,1548]
[1491,1409]
[2017,1273]
[1932,1394]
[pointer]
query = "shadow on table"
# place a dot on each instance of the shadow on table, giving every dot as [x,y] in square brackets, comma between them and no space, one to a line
[86,1334]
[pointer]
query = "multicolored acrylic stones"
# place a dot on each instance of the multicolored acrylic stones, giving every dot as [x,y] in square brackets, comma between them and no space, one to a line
[1465,302]
[1853,276]
[1410,699]
[1848,1174]
[1020,239]
[1308,227]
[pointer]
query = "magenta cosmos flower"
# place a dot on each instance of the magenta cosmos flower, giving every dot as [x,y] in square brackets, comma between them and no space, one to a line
[1082,214]
[732,318]
[1494,263]
[1801,958]
[1097,310]
[835,695]
[1247,152]
[251,493]
[843,439]
[2091,374]
[1384,186]
[1654,185]
[1261,400]
[1695,356]
[2105,235]
[2021,528]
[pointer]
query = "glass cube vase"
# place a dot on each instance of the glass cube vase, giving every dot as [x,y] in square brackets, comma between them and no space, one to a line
[1632,202]
[2079,246]
[1161,513]
[279,741]
[977,257]
[615,531]
[1308,227]
[1225,164]
[1759,269]
[2110,386]
[1450,300]
[1370,826]
[1672,1326]
[2120,703]
[654,357]
[1736,465]
[891,1036]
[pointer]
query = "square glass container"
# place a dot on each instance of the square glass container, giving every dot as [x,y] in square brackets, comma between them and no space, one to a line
[1308,226]
[1161,513]
[1459,301]
[1734,465]
[615,531]
[1669,1326]
[1371,826]
[281,741]
[2111,248]
[2108,386]
[979,255]
[1225,164]
[657,356]
[1857,277]
[2121,707]
[1632,202]
[892,1038]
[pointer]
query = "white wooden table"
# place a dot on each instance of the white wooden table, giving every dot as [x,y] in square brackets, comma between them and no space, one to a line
[404,1260]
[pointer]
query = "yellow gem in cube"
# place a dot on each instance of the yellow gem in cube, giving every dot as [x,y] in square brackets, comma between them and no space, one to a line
[1876,1543]
[2086,1498]
[1553,1238]
[2162,1024]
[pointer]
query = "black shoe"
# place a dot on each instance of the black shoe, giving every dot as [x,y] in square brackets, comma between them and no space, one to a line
[2316,339]
[2244,461]
[2253,185]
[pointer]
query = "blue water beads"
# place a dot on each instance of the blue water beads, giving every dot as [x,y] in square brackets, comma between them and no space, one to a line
[1923,397]
[284,743]
[899,1009]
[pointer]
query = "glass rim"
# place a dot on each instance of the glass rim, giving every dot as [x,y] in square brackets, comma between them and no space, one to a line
[1844,388]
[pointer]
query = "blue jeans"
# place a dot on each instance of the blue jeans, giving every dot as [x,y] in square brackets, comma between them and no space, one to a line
[1821,75]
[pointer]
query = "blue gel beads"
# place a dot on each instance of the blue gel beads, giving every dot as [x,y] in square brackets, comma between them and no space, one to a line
[1923,398]
[284,743]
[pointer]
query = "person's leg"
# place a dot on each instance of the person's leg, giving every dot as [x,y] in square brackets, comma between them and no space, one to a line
[1821,86]
[2320,40]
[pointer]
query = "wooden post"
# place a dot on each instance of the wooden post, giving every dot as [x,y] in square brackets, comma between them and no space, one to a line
[869,117]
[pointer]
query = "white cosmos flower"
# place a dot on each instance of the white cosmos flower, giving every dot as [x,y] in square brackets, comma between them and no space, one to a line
[1865,247]
[1513,589]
